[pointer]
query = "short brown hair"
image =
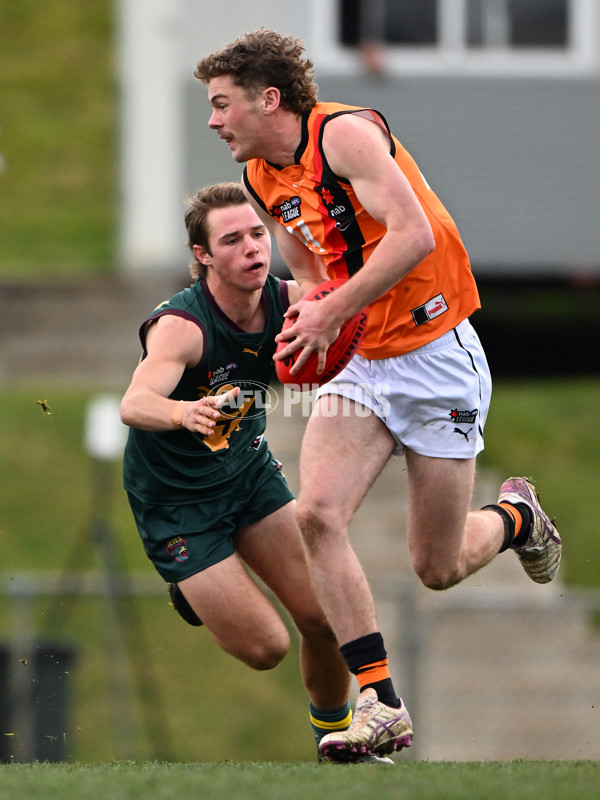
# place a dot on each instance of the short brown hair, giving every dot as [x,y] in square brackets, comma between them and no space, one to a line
[265,58]
[219,195]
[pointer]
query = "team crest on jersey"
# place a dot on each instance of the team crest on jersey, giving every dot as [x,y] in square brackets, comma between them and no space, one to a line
[288,210]
[464,417]
[177,548]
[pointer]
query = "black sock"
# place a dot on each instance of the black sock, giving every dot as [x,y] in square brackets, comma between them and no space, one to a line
[362,654]
[523,534]
[509,525]
[385,692]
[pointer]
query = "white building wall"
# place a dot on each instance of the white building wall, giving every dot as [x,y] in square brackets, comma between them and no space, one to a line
[159,44]
[167,149]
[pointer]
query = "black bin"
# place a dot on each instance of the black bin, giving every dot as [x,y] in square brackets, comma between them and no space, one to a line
[44,704]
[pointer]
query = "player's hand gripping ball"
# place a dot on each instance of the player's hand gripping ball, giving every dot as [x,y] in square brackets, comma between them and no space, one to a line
[339,353]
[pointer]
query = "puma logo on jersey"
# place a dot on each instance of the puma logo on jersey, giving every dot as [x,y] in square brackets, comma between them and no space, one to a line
[254,352]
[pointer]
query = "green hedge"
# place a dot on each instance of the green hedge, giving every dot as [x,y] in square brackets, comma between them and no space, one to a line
[57,138]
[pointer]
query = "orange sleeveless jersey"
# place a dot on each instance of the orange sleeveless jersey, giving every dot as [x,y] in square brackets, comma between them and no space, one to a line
[322,210]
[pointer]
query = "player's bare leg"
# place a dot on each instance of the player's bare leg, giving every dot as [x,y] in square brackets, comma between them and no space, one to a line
[239,616]
[447,542]
[342,455]
[274,550]
[350,449]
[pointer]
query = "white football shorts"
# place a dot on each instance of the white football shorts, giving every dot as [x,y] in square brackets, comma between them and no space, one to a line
[433,400]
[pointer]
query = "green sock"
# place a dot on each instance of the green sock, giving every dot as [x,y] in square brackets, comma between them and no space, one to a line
[323,722]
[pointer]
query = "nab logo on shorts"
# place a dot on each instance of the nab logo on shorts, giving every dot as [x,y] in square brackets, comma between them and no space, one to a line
[177,548]
[464,417]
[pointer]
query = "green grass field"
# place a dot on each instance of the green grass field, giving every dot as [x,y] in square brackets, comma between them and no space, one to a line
[284,781]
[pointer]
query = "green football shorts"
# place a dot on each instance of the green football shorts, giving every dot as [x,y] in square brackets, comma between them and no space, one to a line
[185,539]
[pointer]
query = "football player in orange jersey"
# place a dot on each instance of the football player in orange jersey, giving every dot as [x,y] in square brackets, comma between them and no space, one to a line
[342,196]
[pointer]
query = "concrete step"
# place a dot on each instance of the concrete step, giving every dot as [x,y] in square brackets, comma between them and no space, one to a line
[83,333]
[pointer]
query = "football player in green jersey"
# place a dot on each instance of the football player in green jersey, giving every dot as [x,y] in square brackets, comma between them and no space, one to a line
[206,493]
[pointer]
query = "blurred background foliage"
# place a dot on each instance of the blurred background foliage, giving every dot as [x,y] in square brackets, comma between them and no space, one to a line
[58,110]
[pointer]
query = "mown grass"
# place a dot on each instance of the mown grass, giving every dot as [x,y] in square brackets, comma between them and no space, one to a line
[285,781]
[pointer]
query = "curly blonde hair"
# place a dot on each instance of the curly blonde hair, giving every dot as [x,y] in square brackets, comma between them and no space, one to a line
[265,58]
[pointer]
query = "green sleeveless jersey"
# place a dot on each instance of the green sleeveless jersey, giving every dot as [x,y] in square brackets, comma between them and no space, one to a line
[180,467]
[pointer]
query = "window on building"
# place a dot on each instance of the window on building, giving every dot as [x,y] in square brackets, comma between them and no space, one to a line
[488,23]
[398,22]
[517,23]
[491,37]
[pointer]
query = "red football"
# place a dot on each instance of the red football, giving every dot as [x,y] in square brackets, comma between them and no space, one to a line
[339,353]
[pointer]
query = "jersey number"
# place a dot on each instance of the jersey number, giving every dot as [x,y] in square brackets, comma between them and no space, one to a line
[305,231]
[227,424]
